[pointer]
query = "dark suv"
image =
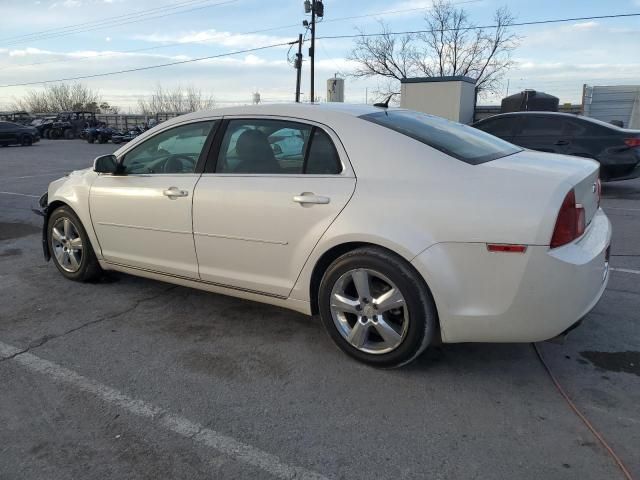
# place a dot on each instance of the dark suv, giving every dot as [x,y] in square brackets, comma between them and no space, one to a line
[14,134]
[617,149]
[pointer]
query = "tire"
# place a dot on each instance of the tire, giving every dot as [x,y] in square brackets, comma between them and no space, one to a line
[91,138]
[102,139]
[27,141]
[86,266]
[413,322]
[54,134]
[46,134]
[68,134]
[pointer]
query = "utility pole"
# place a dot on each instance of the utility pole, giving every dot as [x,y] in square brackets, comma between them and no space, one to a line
[316,9]
[298,65]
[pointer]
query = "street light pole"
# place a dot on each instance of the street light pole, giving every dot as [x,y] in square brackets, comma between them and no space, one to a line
[298,65]
[312,50]
[316,9]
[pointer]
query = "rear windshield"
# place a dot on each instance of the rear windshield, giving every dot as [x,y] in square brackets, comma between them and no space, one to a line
[465,143]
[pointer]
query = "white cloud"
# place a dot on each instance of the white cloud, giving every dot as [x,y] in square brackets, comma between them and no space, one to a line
[212,36]
[585,25]
[24,52]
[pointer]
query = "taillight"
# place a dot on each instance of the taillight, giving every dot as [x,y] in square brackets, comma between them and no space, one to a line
[632,142]
[571,221]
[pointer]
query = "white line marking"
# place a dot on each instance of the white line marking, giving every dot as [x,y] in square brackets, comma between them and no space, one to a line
[20,194]
[626,209]
[35,176]
[174,423]
[625,270]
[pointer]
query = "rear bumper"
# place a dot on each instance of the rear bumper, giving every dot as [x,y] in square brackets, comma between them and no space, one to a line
[511,297]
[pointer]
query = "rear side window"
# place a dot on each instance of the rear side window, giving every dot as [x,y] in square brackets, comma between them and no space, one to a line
[276,147]
[464,143]
[500,127]
[323,158]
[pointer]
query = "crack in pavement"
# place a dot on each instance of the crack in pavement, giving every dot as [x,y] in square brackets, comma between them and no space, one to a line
[46,338]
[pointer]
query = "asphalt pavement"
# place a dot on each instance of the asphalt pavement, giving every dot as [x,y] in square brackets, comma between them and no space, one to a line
[137,379]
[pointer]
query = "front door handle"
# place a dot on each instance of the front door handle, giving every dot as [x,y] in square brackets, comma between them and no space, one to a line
[175,192]
[562,142]
[310,197]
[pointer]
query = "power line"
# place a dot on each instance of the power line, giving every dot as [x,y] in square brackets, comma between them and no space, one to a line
[85,24]
[150,67]
[282,27]
[519,24]
[118,23]
[515,24]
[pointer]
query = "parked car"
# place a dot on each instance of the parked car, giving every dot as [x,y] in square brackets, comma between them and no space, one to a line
[14,134]
[397,227]
[616,149]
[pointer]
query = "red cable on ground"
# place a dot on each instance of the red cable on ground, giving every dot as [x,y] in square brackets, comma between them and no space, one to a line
[584,419]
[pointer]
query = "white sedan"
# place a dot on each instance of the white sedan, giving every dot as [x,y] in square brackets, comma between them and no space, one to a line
[399,228]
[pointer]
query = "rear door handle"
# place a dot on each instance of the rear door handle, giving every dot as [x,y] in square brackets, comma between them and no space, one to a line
[175,192]
[310,197]
[562,142]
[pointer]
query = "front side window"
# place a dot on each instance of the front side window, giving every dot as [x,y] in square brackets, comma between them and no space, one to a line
[541,126]
[173,151]
[462,142]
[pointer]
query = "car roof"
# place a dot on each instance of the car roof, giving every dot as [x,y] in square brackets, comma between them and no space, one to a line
[574,116]
[316,111]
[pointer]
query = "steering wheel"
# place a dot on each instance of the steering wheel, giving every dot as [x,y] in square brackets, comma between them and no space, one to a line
[178,158]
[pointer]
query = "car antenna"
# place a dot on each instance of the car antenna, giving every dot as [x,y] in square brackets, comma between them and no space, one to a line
[384,104]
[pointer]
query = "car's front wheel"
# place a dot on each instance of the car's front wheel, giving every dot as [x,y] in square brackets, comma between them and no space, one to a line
[376,308]
[70,246]
[27,141]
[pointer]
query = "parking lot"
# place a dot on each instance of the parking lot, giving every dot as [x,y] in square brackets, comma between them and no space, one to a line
[132,378]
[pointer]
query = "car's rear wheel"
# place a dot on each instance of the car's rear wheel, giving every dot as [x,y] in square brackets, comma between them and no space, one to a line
[91,138]
[27,141]
[70,246]
[376,308]
[68,134]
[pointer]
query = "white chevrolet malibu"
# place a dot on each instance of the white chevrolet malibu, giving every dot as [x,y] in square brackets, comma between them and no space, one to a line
[398,228]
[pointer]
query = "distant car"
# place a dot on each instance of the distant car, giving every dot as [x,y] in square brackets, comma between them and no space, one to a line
[398,228]
[616,149]
[14,134]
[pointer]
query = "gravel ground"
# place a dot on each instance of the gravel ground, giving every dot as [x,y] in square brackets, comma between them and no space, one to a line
[131,378]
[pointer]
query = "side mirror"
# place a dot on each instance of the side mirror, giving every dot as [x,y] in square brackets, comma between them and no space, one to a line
[106,164]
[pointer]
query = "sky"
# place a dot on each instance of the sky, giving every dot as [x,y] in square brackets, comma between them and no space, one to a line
[556,58]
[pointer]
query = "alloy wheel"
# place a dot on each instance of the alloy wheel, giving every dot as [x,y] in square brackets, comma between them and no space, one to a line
[369,311]
[66,244]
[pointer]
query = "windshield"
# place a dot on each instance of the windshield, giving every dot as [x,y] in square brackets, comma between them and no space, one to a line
[465,143]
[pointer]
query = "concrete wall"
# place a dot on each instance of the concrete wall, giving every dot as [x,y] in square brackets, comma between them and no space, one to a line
[452,99]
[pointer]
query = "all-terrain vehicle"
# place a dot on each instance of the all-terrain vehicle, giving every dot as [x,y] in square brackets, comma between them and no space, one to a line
[129,135]
[43,125]
[69,125]
[101,133]
[21,118]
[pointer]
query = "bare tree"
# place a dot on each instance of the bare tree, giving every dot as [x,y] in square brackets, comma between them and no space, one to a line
[62,97]
[450,45]
[178,100]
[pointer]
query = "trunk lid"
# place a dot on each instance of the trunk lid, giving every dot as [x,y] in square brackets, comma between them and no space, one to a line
[578,173]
